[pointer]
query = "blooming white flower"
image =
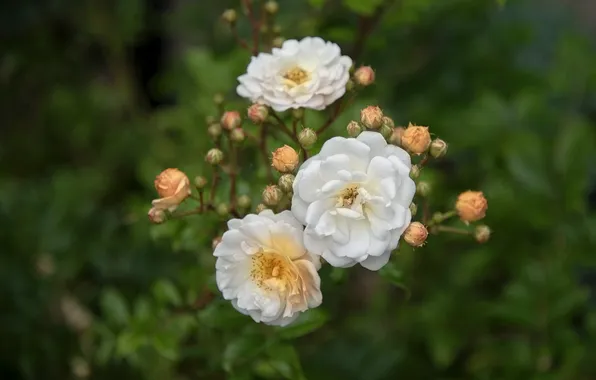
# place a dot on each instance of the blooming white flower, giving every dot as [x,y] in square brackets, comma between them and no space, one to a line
[354,199]
[264,269]
[310,73]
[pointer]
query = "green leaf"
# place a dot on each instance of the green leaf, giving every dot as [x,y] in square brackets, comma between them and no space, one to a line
[241,350]
[128,343]
[114,306]
[362,7]
[317,3]
[165,292]
[305,324]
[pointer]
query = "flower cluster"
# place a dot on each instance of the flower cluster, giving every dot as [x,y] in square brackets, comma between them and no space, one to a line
[350,203]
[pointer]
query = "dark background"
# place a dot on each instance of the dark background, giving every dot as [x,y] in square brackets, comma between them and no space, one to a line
[100,96]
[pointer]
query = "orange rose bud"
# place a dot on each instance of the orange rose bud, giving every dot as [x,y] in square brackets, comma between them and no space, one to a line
[258,113]
[416,139]
[416,234]
[173,186]
[372,117]
[471,206]
[364,76]
[231,120]
[285,159]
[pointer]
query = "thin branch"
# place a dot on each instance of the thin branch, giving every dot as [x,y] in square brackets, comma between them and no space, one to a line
[453,230]
[239,40]
[339,108]
[255,25]
[214,184]
[284,128]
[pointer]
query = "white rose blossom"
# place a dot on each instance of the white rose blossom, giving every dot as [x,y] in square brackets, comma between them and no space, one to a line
[354,199]
[310,73]
[264,269]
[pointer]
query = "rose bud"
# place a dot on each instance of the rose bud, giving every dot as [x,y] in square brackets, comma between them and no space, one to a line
[371,117]
[438,148]
[307,138]
[416,139]
[244,201]
[258,113]
[354,129]
[272,195]
[482,233]
[285,159]
[364,76]
[286,182]
[231,120]
[230,16]
[471,206]
[237,135]
[260,208]
[416,234]
[173,187]
[396,136]
[214,156]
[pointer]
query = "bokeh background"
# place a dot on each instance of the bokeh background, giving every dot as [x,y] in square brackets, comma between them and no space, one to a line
[99,96]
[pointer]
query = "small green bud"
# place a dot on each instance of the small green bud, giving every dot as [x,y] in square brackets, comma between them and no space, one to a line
[272,195]
[286,183]
[354,129]
[438,148]
[413,208]
[271,7]
[482,233]
[260,208]
[244,201]
[277,29]
[423,189]
[222,209]
[230,16]
[386,131]
[298,113]
[415,172]
[350,85]
[200,182]
[307,138]
[237,135]
[388,122]
[214,156]
[214,130]
[218,99]
[278,41]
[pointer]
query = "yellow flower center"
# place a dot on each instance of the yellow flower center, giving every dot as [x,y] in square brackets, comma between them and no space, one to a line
[347,196]
[296,76]
[270,270]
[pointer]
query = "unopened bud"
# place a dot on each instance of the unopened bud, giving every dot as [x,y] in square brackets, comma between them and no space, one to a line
[271,7]
[416,139]
[386,131]
[237,135]
[471,206]
[214,130]
[354,129]
[272,195]
[307,138]
[257,113]
[285,159]
[244,201]
[482,233]
[200,182]
[388,122]
[172,182]
[277,29]
[416,234]
[215,242]
[438,148]
[231,120]
[286,183]
[260,208]
[156,216]
[423,189]
[222,209]
[371,117]
[396,136]
[415,171]
[364,76]
[230,16]
[278,41]
[413,208]
[218,99]
[350,85]
[298,113]
[214,156]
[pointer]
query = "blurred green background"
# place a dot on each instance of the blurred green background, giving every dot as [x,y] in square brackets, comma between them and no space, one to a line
[99,96]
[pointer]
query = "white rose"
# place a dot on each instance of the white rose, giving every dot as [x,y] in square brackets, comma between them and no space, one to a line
[264,269]
[310,73]
[354,199]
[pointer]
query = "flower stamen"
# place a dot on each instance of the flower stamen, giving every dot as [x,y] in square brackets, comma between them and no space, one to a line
[296,76]
[347,196]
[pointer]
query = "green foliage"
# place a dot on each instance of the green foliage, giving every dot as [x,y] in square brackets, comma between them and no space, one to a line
[81,146]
